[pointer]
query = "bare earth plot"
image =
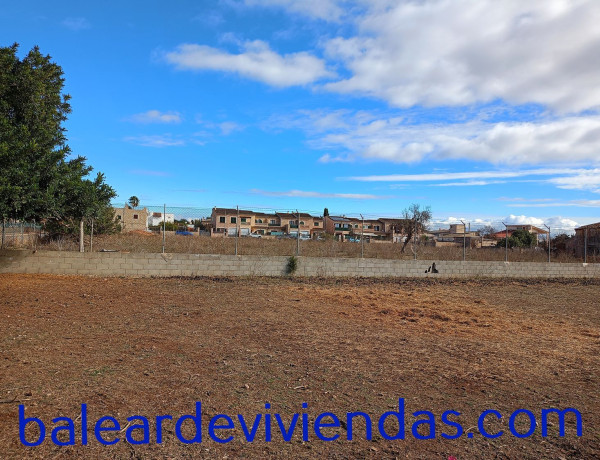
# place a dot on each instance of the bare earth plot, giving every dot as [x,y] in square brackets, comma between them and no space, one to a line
[156,346]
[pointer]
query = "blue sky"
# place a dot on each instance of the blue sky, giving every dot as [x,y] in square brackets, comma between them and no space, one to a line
[483,110]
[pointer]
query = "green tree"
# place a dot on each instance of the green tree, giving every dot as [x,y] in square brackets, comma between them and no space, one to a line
[134,201]
[39,180]
[33,147]
[518,239]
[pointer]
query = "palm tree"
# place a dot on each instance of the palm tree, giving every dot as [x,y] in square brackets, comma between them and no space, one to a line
[134,201]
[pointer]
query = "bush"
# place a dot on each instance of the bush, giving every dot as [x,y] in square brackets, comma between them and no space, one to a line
[292,265]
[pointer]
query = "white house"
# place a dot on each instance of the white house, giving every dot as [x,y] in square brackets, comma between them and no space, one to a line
[156,218]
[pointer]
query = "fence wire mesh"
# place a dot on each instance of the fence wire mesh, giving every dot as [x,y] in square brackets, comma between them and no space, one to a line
[245,230]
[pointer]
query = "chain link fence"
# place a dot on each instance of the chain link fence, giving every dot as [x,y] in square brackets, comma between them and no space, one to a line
[19,234]
[286,232]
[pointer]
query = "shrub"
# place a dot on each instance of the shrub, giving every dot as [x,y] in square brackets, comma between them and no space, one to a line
[292,265]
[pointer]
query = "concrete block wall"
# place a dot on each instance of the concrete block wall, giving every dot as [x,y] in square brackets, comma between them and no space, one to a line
[138,264]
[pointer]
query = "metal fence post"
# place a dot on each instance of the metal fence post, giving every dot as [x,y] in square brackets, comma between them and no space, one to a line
[585,246]
[237,227]
[506,242]
[164,216]
[464,241]
[362,238]
[548,240]
[298,234]
[92,237]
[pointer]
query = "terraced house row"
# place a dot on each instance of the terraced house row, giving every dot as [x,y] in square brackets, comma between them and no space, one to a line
[228,221]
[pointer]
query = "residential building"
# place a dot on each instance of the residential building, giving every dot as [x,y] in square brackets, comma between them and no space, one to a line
[456,235]
[224,221]
[131,218]
[156,218]
[587,240]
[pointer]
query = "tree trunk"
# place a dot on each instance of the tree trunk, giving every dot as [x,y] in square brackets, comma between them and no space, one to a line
[409,236]
[81,248]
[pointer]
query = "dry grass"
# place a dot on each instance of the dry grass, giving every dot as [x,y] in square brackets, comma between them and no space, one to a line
[155,346]
[152,243]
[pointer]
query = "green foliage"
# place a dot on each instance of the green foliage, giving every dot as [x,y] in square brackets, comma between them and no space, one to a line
[560,242]
[38,181]
[518,239]
[292,265]
[134,201]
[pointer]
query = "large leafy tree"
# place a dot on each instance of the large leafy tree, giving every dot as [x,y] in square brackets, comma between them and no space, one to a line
[39,179]
[518,239]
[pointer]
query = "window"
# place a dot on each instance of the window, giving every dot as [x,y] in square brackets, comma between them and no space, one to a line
[259,221]
[355,225]
[273,222]
[222,219]
[119,217]
[316,224]
[234,220]
[301,223]
[243,220]
[376,228]
[135,217]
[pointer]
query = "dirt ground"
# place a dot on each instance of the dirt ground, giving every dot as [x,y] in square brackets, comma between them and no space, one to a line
[156,346]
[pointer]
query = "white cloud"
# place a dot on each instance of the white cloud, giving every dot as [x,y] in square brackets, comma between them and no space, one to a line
[557,223]
[465,175]
[165,140]
[585,180]
[560,223]
[459,52]
[76,24]
[228,127]
[557,204]
[311,194]
[256,61]
[390,138]
[523,220]
[155,116]
[469,183]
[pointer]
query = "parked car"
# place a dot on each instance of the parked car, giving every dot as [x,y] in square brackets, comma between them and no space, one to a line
[255,235]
